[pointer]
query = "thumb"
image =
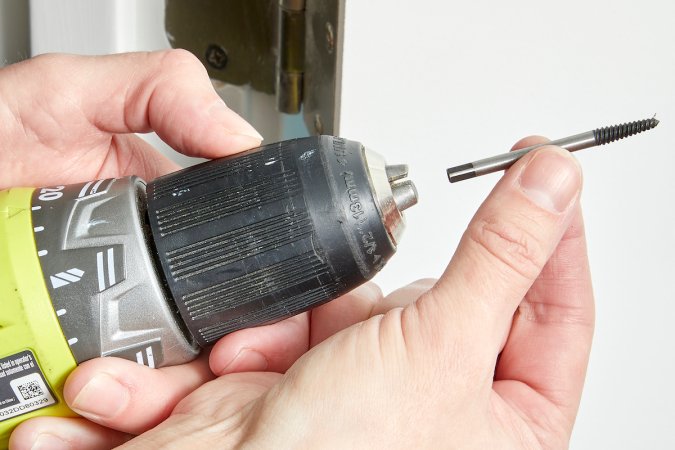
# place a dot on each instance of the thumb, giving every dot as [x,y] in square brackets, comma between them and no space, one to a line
[502,252]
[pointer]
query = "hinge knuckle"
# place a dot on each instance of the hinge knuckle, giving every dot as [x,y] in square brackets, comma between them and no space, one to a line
[291,62]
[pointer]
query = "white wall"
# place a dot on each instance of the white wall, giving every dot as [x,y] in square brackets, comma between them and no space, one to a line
[96,27]
[437,83]
[14,32]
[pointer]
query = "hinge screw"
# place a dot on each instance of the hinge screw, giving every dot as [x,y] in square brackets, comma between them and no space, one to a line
[216,56]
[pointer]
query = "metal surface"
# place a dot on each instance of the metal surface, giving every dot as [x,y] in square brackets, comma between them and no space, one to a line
[245,30]
[391,197]
[101,276]
[14,31]
[289,48]
[405,195]
[291,56]
[324,31]
[396,172]
[599,136]
[295,5]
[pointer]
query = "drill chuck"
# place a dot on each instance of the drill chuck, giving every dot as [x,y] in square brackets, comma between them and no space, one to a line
[250,240]
[152,273]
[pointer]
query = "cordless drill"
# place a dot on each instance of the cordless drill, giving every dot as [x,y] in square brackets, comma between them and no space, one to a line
[152,273]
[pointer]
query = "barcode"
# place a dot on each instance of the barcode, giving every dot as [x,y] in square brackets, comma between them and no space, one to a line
[30,390]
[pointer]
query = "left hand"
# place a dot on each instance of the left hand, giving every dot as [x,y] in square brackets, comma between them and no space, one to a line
[69,119]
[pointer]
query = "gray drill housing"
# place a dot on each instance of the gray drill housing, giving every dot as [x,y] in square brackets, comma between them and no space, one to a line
[97,263]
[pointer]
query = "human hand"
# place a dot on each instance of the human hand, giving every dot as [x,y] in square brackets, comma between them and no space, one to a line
[493,355]
[129,399]
[68,119]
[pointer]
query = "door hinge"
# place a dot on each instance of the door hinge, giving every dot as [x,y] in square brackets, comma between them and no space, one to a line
[291,59]
[291,49]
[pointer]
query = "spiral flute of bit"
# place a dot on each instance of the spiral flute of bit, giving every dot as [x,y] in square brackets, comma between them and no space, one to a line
[614,133]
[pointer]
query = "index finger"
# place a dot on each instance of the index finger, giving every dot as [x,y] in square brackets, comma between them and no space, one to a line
[168,92]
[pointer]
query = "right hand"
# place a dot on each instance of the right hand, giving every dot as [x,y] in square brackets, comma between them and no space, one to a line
[454,366]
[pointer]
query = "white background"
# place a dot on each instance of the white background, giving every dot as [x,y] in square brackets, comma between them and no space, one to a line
[440,83]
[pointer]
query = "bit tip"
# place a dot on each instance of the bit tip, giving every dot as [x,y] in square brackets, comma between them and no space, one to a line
[614,133]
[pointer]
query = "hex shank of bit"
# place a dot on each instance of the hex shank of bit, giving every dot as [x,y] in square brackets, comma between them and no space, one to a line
[506,160]
[580,141]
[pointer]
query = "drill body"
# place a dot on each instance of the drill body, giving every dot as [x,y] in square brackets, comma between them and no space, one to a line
[153,273]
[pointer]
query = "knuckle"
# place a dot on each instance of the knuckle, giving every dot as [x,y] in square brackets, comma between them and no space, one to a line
[179,58]
[46,59]
[424,283]
[509,243]
[49,65]
[546,313]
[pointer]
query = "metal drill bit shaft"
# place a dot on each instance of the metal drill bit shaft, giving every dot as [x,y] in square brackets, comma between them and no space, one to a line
[599,136]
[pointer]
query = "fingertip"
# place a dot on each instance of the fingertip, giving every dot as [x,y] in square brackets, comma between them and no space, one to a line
[100,398]
[368,293]
[405,295]
[424,283]
[100,389]
[221,114]
[530,141]
[128,396]
[87,370]
[551,179]
[219,142]
[58,433]
[48,441]
[220,132]
[246,360]
[176,98]
[271,348]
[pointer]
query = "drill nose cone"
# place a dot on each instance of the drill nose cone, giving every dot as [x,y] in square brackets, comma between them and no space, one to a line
[405,195]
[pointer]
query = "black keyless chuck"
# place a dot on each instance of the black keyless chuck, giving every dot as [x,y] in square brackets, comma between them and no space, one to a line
[153,273]
[267,234]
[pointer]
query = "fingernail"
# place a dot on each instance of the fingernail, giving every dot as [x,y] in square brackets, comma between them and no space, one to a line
[369,290]
[247,360]
[233,121]
[102,397]
[551,179]
[46,441]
